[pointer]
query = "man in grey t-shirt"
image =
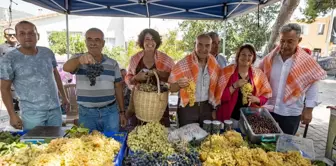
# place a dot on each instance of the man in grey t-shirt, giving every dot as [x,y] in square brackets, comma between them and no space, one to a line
[221,60]
[32,70]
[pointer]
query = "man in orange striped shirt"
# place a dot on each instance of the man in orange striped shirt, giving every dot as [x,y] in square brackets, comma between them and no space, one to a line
[293,75]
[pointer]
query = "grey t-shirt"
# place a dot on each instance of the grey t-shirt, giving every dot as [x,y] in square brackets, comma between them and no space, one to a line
[5,47]
[33,78]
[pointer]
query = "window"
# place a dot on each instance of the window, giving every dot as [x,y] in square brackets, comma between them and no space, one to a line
[110,42]
[304,29]
[74,33]
[320,29]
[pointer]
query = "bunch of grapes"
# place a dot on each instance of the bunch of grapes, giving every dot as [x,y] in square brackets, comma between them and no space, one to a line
[191,90]
[147,87]
[152,137]
[141,158]
[93,71]
[246,91]
[22,156]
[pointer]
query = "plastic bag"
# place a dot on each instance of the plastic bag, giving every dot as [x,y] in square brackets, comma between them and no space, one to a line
[187,133]
[292,143]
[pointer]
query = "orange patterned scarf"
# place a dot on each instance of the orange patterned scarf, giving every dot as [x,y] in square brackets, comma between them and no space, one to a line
[260,82]
[162,63]
[304,72]
[188,67]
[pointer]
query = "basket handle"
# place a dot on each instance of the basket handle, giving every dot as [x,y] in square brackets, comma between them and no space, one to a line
[157,81]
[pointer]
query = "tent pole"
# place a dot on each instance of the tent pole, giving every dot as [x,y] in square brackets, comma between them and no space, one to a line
[67,35]
[224,38]
[67,28]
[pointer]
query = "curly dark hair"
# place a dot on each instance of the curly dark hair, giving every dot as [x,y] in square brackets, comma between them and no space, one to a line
[248,46]
[154,33]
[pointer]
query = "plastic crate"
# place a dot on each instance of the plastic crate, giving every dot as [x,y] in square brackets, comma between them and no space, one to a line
[118,136]
[253,137]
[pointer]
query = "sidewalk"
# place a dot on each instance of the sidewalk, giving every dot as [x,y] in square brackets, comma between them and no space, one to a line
[318,128]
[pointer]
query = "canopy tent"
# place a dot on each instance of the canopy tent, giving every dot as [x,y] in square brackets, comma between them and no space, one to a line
[173,9]
[170,9]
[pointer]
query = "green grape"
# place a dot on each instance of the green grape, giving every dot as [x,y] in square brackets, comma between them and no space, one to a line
[152,137]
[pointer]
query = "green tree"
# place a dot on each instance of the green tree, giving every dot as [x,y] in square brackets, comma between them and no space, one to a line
[172,46]
[286,11]
[314,8]
[121,55]
[57,43]
[247,28]
[2,37]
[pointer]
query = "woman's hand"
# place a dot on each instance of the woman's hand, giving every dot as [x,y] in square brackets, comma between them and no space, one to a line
[253,99]
[240,83]
[141,76]
[151,72]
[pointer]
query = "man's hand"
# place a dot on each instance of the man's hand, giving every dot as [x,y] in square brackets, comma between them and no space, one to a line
[66,104]
[307,115]
[16,122]
[183,82]
[214,115]
[123,120]
[332,107]
[86,59]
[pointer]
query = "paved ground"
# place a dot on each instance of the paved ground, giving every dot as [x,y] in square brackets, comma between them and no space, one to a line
[318,129]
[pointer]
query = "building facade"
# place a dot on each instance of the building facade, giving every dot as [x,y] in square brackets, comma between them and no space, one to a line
[317,36]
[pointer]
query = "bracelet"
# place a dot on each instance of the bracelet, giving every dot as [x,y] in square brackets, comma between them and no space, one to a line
[121,112]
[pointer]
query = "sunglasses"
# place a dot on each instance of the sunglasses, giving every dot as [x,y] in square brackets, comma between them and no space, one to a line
[10,35]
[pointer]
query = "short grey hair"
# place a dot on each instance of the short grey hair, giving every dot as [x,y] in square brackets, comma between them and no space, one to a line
[213,34]
[291,27]
[95,30]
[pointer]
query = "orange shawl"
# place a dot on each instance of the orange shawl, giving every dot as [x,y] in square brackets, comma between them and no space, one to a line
[304,72]
[162,63]
[260,81]
[188,67]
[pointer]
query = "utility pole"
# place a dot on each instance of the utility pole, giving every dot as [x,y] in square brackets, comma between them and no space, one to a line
[329,33]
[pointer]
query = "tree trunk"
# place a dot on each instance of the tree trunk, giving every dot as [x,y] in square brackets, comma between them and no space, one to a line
[287,9]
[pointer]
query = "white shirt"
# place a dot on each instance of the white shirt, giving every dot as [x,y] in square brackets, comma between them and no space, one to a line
[221,60]
[279,74]
[202,84]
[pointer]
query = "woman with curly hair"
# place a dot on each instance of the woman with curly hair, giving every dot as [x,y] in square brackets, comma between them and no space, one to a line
[146,61]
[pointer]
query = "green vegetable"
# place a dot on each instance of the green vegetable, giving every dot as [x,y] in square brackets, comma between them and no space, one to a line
[7,137]
[77,131]
[319,163]
[7,148]
[265,146]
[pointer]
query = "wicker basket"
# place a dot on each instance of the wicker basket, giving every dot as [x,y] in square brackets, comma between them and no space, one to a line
[150,106]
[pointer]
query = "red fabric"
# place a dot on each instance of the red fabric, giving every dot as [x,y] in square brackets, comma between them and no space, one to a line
[229,101]
[308,51]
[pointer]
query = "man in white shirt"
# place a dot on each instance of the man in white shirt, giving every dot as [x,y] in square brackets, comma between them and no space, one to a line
[293,76]
[215,47]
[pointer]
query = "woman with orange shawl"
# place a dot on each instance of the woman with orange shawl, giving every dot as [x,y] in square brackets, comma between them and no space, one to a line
[144,62]
[235,77]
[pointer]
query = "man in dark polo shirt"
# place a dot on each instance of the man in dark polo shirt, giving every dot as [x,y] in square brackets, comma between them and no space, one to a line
[10,44]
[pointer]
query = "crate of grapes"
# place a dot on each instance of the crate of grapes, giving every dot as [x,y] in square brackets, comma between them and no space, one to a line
[259,125]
